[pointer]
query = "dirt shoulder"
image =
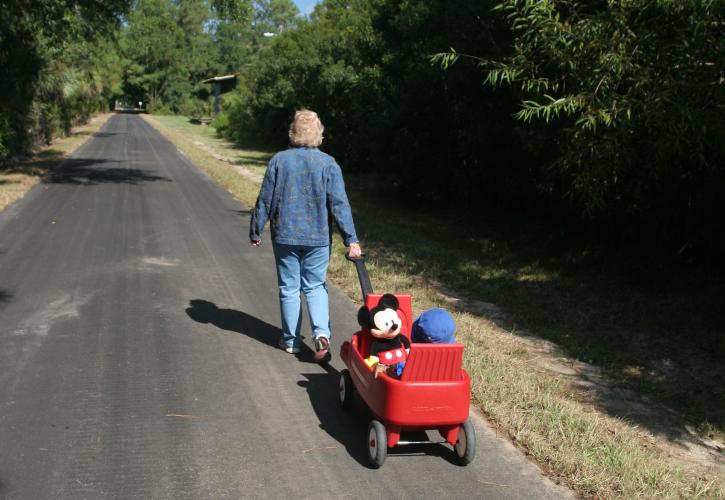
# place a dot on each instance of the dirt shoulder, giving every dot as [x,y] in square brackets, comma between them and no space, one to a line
[591,387]
[21,174]
[679,441]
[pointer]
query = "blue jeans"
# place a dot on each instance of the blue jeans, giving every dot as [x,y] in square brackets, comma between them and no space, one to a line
[302,268]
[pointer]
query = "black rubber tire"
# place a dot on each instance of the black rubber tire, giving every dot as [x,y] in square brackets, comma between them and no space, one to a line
[377,444]
[465,448]
[345,389]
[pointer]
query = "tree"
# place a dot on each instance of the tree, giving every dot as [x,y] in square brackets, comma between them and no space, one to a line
[307,64]
[273,16]
[171,46]
[35,36]
[234,45]
[630,92]
[153,44]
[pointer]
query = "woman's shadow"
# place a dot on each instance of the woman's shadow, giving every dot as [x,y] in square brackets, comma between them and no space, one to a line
[203,311]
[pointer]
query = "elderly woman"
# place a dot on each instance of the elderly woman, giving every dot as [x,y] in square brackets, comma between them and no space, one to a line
[302,194]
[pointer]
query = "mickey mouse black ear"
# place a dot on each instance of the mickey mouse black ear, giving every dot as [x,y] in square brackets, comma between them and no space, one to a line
[389,300]
[363,317]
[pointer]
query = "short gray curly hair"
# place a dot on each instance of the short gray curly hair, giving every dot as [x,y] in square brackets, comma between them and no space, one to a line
[306,129]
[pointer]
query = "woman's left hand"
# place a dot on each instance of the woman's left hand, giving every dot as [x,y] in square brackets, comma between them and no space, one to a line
[355,251]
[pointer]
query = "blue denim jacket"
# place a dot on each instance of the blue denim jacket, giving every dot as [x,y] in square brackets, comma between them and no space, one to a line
[302,194]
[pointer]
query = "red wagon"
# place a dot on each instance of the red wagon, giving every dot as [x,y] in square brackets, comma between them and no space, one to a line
[432,393]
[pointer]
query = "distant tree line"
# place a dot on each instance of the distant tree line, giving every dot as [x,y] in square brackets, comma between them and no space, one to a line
[169,47]
[608,113]
[61,60]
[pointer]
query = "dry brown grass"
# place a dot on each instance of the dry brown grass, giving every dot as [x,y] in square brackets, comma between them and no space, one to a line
[194,142]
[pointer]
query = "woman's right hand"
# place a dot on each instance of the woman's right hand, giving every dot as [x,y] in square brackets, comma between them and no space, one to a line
[355,251]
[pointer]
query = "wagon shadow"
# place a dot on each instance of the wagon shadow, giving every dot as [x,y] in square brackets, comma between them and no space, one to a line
[347,428]
[350,427]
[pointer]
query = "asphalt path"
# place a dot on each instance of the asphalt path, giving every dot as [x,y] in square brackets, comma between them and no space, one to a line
[138,359]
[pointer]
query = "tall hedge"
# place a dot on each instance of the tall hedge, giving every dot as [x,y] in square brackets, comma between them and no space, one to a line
[609,112]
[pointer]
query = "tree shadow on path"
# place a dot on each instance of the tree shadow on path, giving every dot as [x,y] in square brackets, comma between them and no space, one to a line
[92,171]
[203,311]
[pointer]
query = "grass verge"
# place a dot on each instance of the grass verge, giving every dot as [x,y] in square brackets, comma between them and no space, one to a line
[200,144]
[574,437]
[17,177]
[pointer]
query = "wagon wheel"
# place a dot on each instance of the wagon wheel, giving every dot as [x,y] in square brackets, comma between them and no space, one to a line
[345,389]
[377,444]
[465,447]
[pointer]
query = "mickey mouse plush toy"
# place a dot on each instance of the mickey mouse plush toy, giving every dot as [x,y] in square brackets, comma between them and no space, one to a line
[389,349]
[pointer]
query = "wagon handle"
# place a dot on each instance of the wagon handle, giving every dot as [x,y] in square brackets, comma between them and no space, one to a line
[362,274]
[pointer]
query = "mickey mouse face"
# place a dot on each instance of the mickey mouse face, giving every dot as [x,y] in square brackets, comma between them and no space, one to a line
[386,323]
[381,326]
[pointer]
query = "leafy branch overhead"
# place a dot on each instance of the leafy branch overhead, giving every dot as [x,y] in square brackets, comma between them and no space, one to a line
[631,87]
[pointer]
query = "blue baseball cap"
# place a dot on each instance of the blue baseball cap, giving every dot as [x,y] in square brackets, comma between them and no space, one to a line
[434,326]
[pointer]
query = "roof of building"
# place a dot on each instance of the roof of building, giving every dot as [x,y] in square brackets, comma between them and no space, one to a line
[219,78]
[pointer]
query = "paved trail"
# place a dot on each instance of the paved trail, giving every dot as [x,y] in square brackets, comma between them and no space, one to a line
[137,358]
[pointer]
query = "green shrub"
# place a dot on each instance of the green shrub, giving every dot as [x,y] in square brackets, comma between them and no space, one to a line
[221,123]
